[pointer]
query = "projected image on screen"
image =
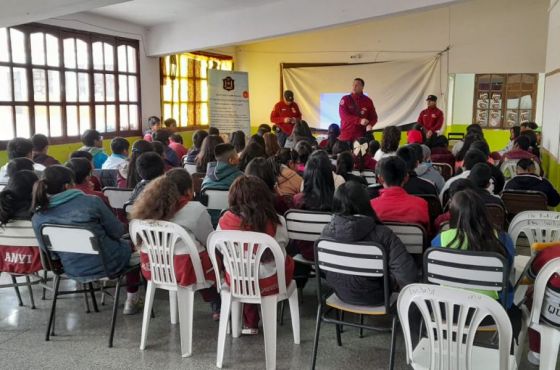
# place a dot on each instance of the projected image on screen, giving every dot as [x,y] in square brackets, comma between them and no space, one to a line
[329,108]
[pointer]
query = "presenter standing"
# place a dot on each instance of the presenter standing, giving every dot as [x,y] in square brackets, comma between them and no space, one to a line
[284,115]
[357,113]
[431,118]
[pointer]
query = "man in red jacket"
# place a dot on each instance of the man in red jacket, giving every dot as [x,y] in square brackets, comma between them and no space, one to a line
[284,115]
[431,118]
[357,113]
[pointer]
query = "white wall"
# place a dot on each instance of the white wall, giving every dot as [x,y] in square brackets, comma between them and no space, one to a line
[149,66]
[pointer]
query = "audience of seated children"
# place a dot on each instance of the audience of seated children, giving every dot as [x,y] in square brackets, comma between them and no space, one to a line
[344,167]
[148,167]
[426,170]
[127,177]
[363,160]
[237,139]
[251,151]
[15,198]
[119,147]
[93,143]
[394,204]
[415,185]
[288,182]
[170,198]
[155,124]
[521,149]
[264,169]
[354,221]
[528,179]
[197,138]
[81,168]
[271,144]
[473,157]
[221,174]
[176,144]
[440,151]
[206,153]
[40,151]
[19,148]
[481,177]
[513,134]
[389,143]
[56,202]
[170,123]
[333,133]
[162,135]
[87,155]
[251,208]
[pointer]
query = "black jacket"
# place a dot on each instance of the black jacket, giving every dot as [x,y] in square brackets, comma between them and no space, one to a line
[418,186]
[535,183]
[364,290]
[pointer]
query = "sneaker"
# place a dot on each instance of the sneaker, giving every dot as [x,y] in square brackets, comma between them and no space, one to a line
[249,331]
[215,310]
[534,358]
[133,306]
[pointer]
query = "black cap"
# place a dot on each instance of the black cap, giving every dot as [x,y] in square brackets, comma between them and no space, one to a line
[432,98]
[289,95]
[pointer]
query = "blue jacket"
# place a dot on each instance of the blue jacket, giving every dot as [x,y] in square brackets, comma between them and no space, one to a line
[99,156]
[72,207]
[220,176]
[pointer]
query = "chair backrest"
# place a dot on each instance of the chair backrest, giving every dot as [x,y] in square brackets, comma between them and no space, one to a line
[306,225]
[542,296]
[127,209]
[117,196]
[444,169]
[241,253]
[159,238]
[434,205]
[413,236]
[107,178]
[538,226]
[452,317]
[370,177]
[356,173]
[15,235]
[190,167]
[524,200]
[217,199]
[509,168]
[18,233]
[497,215]
[466,269]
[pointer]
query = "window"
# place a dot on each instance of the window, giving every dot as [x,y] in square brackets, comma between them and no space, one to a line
[504,100]
[61,82]
[184,89]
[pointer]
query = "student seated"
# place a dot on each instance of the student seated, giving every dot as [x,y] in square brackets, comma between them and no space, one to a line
[521,149]
[264,128]
[170,123]
[355,221]
[440,151]
[213,131]
[394,203]
[221,174]
[237,139]
[17,165]
[426,170]
[288,182]
[160,150]
[303,149]
[344,167]
[333,133]
[197,138]
[527,179]
[119,147]
[176,144]
[481,177]
[40,151]
[271,144]
[473,157]
[19,148]
[87,155]
[473,128]
[251,151]
[264,170]
[56,202]
[81,168]
[469,140]
[363,160]
[206,154]
[513,134]
[389,143]
[93,144]
[416,135]
[15,198]
[162,135]
[414,184]
[155,124]
[251,208]
[178,206]
[127,177]
[300,132]
[148,166]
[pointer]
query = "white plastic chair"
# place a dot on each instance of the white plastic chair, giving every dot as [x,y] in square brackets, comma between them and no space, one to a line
[413,236]
[550,335]
[117,196]
[217,199]
[306,226]
[509,168]
[450,342]
[191,168]
[241,253]
[538,226]
[159,238]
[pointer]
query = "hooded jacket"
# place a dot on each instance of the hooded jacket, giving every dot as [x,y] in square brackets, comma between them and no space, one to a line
[366,290]
[535,183]
[220,176]
[427,172]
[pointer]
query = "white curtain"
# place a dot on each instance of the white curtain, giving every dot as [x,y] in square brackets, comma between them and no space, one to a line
[398,88]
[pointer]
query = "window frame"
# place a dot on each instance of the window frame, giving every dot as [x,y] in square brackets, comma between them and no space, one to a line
[62,33]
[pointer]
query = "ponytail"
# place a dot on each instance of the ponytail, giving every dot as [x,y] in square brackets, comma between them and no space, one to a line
[6,206]
[54,181]
[40,201]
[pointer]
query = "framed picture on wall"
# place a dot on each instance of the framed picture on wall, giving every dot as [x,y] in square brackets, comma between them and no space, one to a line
[495,119]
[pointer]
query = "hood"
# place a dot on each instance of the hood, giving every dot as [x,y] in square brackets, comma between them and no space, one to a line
[422,169]
[350,228]
[527,181]
[64,197]
[217,171]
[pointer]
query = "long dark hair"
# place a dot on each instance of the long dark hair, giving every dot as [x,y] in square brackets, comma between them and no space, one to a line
[469,140]
[54,181]
[470,217]
[391,139]
[263,169]
[344,163]
[16,197]
[250,199]
[238,140]
[138,148]
[271,144]
[351,198]
[251,151]
[206,154]
[301,131]
[318,182]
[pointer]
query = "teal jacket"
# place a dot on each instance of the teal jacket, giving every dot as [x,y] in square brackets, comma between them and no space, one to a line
[220,176]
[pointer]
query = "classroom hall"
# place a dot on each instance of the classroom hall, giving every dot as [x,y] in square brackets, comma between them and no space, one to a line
[280,184]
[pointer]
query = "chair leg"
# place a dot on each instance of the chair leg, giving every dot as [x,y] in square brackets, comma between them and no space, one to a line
[103,294]
[93,300]
[16,288]
[338,329]
[224,319]
[148,309]
[30,289]
[550,341]
[269,312]
[53,308]
[186,303]
[316,339]
[361,323]
[393,343]
[115,308]
[173,306]
[294,314]
[86,301]
[236,319]
[282,305]
[44,281]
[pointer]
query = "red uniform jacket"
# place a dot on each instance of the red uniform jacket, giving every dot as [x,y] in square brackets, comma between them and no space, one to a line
[431,118]
[396,205]
[352,109]
[282,110]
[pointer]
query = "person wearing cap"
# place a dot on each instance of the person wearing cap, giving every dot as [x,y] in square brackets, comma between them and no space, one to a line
[528,179]
[284,115]
[357,113]
[431,118]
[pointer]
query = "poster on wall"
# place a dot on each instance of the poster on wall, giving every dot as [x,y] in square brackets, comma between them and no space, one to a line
[228,98]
